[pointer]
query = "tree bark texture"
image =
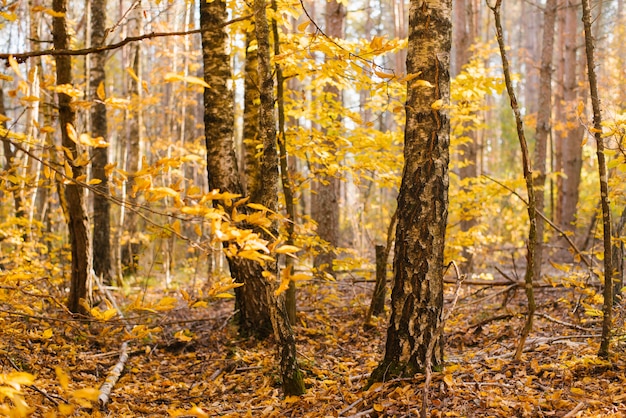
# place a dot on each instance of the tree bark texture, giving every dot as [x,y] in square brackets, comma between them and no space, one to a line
[292,379]
[73,194]
[607,308]
[251,118]
[253,316]
[544,123]
[290,207]
[325,202]
[417,296]
[102,264]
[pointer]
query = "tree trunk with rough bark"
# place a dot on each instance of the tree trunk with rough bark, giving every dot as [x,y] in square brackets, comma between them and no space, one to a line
[414,338]
[73,194]
[292,379]
[253,313]
[102,264]
[251,117]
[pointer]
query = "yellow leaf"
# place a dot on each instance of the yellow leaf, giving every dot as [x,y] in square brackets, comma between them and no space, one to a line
[100,91]
[90,394]
[62,377]
[68,90]
[71,133]
[224,296]
[287,249]
[421,83]
[561,267]
[577,391]
[53,13]
[8,16]
[437,104]
[170,77]
[47,334]
[378,407]
[6,77]
[292,399]
[176,226]
[4,118]
[66,409]
[94,181]
[15,66]
[449,380]
[258,206]
[68,170]
[166,304]
[302,26]
[183,335]
[384,75]
[376,43]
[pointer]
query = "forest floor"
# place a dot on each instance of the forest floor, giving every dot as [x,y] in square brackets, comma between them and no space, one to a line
[191,363]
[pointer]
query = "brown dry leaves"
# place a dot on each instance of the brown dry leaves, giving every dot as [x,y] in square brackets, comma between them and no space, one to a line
[211,372]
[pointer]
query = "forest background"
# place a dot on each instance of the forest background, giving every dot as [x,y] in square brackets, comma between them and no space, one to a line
[120,194]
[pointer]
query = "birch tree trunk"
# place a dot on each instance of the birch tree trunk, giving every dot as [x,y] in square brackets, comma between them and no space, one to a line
[253,312]
[73,194]
[414,340]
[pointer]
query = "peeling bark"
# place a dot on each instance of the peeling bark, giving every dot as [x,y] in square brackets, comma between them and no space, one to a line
[417,296]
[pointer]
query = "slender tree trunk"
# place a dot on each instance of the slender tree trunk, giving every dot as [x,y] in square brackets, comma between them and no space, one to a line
[290,207]
[253,312]
[100,158]
[73,194]
[528,176]
[604,183]
[414,337]
[544,125]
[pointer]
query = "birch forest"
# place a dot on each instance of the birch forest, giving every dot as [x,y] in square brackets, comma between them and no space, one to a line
[312,208]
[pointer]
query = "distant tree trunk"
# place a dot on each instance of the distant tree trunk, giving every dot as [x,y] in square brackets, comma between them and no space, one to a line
[325,202]
[544,124]
[101,206]
[414,337]
[253,313]
[9,155]
[74,195]
[463,32]
[572,141]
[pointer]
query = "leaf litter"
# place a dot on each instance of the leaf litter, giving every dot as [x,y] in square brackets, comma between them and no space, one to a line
[190,362]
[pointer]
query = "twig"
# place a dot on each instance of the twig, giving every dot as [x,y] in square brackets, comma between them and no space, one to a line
[113,376]
[547,220]
[567,324]
[349,407]
[577,409]
[51,398]
[362,413]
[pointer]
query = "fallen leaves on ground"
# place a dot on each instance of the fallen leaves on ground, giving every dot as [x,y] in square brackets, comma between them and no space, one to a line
[190,362]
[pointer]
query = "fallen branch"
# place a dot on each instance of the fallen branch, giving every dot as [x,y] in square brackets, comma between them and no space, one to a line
[115,373]
[113,376]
